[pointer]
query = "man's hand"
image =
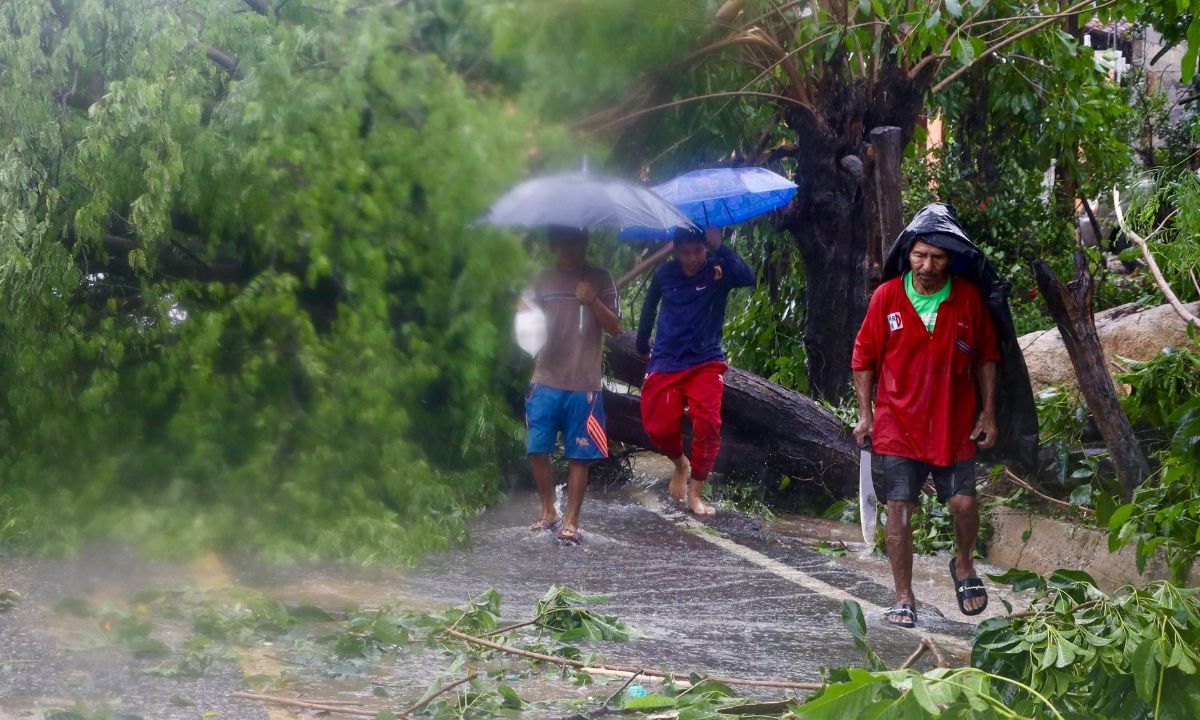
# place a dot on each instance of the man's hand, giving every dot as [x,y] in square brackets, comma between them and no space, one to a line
[584,292]
[985,427]
[864,428]
[712,237]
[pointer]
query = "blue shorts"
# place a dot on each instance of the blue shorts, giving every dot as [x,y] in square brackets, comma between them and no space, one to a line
[579,415]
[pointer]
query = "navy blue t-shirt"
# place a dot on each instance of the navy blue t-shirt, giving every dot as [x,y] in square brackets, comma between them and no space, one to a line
[692,320]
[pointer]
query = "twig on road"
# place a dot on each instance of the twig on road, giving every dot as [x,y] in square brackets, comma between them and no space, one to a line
[622,688]
[938,658]
[308,704]
[422,703]
[787,684]
[916,655]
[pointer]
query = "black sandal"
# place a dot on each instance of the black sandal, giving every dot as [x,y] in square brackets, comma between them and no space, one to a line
[971,587]
[907,619]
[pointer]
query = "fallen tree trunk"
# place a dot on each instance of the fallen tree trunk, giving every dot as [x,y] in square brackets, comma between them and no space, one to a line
[767,430]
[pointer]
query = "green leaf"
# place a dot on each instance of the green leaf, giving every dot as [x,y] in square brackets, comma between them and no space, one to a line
[1144,668]
[510,696]
[1120,516]
[921,694]
[1187,66]
[653,701]
[842,700]
[1065,578]
[963,51]
[853,620]
[1019,580]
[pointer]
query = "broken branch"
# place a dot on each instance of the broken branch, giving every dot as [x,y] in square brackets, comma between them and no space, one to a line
[422,703]
[1033,491]
[306,704]
[624,668]
[1154,269]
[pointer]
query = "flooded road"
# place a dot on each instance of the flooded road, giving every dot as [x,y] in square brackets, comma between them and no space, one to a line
[727,597]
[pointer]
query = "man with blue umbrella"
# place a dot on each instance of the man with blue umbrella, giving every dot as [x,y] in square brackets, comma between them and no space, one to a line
[686,362]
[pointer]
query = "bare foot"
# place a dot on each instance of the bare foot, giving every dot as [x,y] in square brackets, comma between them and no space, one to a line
[696,501]
[678,487]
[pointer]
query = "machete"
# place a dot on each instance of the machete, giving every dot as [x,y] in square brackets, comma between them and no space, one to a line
[867,502]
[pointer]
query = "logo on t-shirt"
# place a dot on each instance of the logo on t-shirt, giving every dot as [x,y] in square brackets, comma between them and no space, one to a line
[895,322]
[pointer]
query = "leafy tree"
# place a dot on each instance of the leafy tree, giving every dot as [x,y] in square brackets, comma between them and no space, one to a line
[240,278]
[799,86]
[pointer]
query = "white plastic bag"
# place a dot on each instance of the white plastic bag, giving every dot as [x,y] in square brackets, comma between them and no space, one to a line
[529,325]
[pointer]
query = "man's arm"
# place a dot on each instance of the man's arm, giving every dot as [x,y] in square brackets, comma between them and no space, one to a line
[648,316]
[864,388]
[986,425]
[604,313]
[735,270]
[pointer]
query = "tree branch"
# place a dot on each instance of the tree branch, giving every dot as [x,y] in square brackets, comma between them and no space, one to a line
[226,63]
[558,660]
[1180,310]
[684,101]
[1073,10]
[259,7]
[417,706]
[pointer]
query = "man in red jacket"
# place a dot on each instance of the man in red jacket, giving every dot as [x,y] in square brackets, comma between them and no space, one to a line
[927,345]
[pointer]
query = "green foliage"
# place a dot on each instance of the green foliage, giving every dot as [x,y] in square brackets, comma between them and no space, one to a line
[765,334]
[1128,655]
[81,711]
[230,302]
[1076,653]
[1164,514]
[1160,386]
[1164,208]
[932,527]
[562,612]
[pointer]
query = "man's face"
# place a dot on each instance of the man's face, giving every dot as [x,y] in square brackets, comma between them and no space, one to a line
[930,264]
[691,256]
[570,250]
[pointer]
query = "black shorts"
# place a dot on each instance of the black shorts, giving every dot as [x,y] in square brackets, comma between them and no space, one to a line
[904,478]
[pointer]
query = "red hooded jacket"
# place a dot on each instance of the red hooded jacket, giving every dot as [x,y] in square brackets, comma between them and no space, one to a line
[925,405]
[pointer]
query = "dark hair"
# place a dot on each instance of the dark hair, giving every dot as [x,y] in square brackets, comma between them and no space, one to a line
[557,233]
[684,235]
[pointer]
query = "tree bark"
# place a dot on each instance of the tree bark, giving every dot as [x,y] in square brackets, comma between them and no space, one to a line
[830,224]
[1071,307]
[767,430]
[887,204]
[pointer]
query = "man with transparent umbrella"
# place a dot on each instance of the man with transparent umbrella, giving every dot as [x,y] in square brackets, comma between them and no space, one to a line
[579,301]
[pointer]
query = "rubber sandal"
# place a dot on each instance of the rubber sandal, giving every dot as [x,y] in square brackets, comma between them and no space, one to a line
[544,525]
[569,537]
[907,619]
[971,587]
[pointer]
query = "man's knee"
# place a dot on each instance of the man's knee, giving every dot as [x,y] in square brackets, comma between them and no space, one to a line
[899,518]
[963,504]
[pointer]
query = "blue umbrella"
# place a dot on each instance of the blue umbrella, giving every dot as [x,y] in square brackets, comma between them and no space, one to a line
[726,196]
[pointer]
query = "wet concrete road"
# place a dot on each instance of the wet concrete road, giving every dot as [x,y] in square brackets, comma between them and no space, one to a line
[730,599]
